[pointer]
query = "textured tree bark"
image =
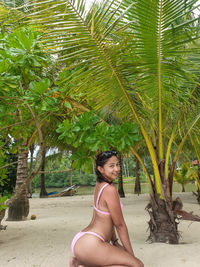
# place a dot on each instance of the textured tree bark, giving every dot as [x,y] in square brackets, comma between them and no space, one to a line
[163,224]
[198,190]
[31,167]
[197,194]
[43,192]
[2,215]
[120,180]
[183,188]
[19,209]
[70,178]
[124,164]
[137,189]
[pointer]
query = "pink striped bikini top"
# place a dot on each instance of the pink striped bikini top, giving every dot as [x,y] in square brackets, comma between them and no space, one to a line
[97,202]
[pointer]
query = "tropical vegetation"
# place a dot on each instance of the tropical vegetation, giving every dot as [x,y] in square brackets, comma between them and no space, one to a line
[130,61]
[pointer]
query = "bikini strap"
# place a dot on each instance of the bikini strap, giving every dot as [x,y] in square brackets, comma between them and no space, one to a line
[100,191]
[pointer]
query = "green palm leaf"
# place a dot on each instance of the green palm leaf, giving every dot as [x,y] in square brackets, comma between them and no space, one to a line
[132,57]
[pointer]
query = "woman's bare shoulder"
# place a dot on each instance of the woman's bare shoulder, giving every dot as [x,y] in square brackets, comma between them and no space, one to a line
[110,189]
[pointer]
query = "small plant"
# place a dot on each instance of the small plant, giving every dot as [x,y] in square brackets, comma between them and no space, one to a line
[3,206]
[183,176]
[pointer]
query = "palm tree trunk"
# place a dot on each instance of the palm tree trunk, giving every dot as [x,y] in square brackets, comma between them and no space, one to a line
[128,174]
[120,180]
[31,167]
[198,190]
[163,226]
[137,189]
[125,172]
[19,209]
[43,192]
[183,188]
[71,177]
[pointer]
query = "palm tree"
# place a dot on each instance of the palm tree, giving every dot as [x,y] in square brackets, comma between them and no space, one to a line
[120,179]
[183,176]
[136,59]
[137,189]
[43,192]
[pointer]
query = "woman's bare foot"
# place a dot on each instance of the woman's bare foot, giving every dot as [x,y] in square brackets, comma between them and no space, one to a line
[75,263]
[72,262]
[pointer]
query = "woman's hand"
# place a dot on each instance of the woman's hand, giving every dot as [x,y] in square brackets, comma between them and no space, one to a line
[116,244]
[138,261]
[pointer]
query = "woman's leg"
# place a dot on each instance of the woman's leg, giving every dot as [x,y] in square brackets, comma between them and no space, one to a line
[92,251]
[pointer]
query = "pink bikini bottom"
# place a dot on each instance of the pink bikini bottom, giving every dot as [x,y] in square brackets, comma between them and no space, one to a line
[80,234]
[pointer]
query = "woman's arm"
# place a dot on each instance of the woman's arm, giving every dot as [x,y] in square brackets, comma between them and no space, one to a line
[113,203]
[114,240]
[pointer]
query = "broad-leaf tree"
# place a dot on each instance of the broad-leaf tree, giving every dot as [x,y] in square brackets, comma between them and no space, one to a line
[23,78]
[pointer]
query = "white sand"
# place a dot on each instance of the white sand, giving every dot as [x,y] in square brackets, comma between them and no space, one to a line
[46,241]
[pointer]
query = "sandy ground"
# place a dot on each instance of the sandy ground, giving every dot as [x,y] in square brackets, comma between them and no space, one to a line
[46,241]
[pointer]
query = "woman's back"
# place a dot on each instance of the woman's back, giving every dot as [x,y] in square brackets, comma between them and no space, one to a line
[101,222]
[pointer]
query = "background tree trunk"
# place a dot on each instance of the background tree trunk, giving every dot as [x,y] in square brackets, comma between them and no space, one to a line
[32,147]
[198,191]
[137,189]
[124,165]
[197,194]
[183,188]
[43,192]
[19,209]
[71,177]
[120,180]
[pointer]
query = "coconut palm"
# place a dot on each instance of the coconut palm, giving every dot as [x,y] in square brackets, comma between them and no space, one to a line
[133,57]
[183,176]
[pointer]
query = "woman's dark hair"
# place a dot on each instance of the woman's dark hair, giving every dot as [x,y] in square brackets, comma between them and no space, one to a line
[101,160]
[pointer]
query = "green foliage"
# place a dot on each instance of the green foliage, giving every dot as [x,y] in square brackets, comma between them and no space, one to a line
[137,59]
[84,179]
[3,161]
[184,175]
[89,135]
[8,173]
[25,78]
[3,172]
[21,56]
[60,180]
[146,70]
[3,206]
[131,179]
[40,86]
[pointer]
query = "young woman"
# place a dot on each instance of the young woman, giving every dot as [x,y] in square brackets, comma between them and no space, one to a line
[97,244]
